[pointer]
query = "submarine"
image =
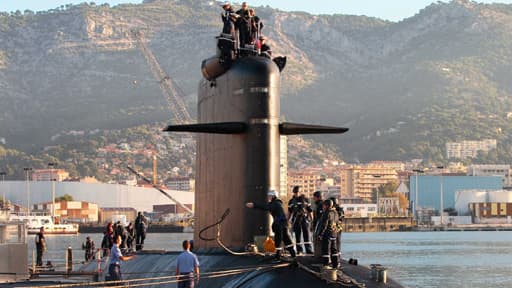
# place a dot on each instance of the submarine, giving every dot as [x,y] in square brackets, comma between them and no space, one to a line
[237,161]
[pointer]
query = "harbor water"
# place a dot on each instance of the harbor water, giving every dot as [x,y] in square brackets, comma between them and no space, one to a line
[416,259]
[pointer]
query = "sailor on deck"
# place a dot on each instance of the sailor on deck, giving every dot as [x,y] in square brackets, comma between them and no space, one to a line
[186,265]
[329,228]
[299,211]
[114,269]
[280,224]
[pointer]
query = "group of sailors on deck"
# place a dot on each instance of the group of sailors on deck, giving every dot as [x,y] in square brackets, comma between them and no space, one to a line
[243,31]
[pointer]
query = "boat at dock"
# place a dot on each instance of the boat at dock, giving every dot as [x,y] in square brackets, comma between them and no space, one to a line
[34,221]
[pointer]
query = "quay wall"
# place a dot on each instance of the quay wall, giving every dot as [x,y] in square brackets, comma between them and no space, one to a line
[377,224]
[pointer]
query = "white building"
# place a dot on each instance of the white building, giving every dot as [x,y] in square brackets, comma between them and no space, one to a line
[464,197]
[359,210]
[469,149]
[105,195]
[492,170]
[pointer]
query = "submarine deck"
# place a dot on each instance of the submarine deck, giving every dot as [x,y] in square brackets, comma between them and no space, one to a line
[156,269]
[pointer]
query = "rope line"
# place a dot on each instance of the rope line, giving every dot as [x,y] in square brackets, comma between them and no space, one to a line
[171,278]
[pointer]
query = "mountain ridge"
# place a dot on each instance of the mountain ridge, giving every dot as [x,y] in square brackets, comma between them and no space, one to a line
[399,86]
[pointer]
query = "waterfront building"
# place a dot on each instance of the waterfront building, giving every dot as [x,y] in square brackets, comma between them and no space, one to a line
[114,214]
[308,181]
[491,213]
[429,188]
[469,149]
[502,170]
[389,206]
[49,174]
[360,180]
[181,183]
[70,211]
[359,210]
[463,198]
[105,195]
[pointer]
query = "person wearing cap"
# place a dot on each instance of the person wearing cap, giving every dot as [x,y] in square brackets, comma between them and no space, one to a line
[280,223]
[299,211]
[228,10]
[265,48]
[327,234]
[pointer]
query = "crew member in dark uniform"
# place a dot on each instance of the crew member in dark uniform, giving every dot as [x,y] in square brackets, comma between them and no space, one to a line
[328,230]
[279,225]
[40,246]
[243,10]
[317,214]
[299,210]
[140,230]
[227,42]
[244,25]
[131,236]
[265,49]
[256,25]
[88,246]
[341,215]
[228,10]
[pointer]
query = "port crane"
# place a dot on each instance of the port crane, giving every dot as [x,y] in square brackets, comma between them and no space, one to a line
[171,92]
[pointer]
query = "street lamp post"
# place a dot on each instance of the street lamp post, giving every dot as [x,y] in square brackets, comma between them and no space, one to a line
[441,192]
[27,170]
[3,180]
[52,165]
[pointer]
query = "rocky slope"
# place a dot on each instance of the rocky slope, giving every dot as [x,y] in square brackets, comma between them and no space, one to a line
[403,88]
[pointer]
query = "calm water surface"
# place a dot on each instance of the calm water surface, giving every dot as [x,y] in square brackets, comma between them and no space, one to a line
[416,259]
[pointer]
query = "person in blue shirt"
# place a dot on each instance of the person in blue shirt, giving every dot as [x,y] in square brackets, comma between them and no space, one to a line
[114,269]
[186,265]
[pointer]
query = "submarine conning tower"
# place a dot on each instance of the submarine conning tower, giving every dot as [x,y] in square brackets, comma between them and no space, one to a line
[238,168]
[238,148]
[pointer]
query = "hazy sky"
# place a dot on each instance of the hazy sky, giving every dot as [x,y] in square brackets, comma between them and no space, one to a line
[386,9]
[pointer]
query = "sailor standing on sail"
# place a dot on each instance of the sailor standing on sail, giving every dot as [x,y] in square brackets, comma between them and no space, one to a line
[280,224]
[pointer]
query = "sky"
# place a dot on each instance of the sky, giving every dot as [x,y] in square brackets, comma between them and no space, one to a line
[393,10]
